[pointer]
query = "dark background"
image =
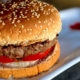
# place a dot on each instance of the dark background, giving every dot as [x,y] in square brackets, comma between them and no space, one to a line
[63,4]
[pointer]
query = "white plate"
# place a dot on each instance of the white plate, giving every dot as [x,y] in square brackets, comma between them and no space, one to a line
[70,45]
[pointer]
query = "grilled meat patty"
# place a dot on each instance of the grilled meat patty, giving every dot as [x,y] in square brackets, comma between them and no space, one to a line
[17,52]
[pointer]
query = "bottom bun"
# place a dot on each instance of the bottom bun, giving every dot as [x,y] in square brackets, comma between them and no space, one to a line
[34,70]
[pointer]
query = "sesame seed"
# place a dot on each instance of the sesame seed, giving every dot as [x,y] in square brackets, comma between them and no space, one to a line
[1,12]
[30,29]
[49,9]
[27,29]
[28,5]
[46,21]
[19,16]
[2,4]
[52,10]
[7,37]
[55,8]
[13,21]
[32,13]
[38,15]
[15,25]
[15,18]
[17,7]
[45,5]
[26,0]
[20,11]
[16,10]
[34,5]
[14,5]
[10,19]
[44,12]
[31,2]
[28,19]
[22,3]
[3,23]
[4,41]
[39,21]
[10,4]
[18,21]
[35,13]
[40,26]
[40,4]
[22,15]
[25,12]
[22,26]
[41,8]
[32,10]
[44,30]
[35,25]
[25,16]
[32,16]
[13,12]
[0,21]
[48,24]
[19,31]
[5,9]
[9,8]
[37,9]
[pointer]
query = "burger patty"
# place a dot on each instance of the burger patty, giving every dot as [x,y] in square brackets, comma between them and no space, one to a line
[27,63]
[18,52]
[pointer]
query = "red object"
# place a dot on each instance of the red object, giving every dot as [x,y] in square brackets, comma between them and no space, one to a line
[4,59]
[38,55]
[75,26]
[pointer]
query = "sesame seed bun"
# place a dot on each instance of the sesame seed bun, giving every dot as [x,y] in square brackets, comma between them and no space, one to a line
[28,21]
[34,70]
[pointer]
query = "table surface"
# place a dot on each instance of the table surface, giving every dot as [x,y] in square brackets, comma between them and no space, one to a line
[72,73]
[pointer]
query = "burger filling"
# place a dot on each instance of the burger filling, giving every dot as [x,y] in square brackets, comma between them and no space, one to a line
[32,54]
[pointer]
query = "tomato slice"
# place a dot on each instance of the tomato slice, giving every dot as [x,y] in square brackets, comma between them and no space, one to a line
[37,56]
[4,59]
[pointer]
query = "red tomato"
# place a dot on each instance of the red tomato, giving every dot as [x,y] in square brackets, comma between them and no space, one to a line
[5,59]
[37,56]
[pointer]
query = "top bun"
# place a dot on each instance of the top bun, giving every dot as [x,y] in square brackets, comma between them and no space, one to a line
[28,21]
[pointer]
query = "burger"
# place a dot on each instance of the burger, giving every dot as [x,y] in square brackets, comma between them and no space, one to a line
[28,38]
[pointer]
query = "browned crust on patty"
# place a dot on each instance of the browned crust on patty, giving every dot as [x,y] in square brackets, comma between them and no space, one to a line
[31,71]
